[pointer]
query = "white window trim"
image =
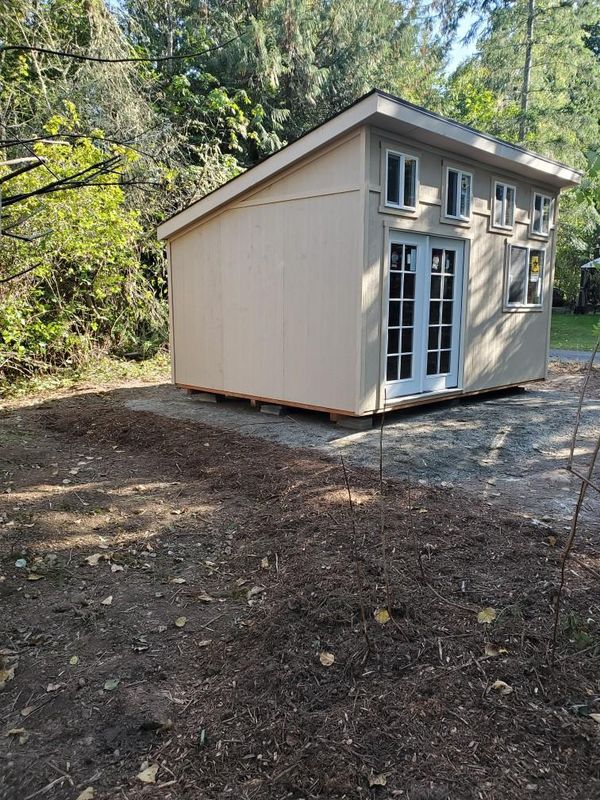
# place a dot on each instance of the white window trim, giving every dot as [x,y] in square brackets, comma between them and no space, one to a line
[493,224]
[524,306]
[459,172]
[536,193]
[403,157]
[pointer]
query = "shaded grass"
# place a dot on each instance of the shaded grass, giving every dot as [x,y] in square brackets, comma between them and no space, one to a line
[104,370]
[574,331]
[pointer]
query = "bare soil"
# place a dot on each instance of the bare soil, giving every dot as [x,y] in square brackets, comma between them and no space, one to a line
[254,544]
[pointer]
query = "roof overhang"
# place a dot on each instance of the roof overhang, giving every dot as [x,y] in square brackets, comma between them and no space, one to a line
[397,116]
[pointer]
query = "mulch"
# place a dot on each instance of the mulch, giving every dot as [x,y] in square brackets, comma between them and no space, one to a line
[246,650]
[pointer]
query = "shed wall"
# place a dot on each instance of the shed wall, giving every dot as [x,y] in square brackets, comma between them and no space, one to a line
[499,347]
[267,292]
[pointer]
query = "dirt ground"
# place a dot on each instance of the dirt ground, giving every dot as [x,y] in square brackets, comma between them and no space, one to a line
[198,606]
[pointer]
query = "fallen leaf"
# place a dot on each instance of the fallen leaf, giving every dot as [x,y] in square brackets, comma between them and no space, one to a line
[107,601]
[111,684]
[25,712]
[93,560]
[16,732]
[377,780]
[492,650]
[204,643]
[6,675]
[486,615]
[34,576]
[116,568]
[177,580]
[54,687]
[595,717]
[180,622]
[264,563]
[254,591]
[552,541]
[204,597]
[326,659]
[382,615]
[87,794]
[74,660]
[502,687]
[148,775]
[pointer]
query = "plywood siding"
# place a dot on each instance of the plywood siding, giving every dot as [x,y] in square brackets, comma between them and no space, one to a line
[267,293]
[500,347]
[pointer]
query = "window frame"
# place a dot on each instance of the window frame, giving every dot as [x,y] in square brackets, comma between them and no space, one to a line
[545,196]
[457,217]
[524,306]
[493,224]
[402,156]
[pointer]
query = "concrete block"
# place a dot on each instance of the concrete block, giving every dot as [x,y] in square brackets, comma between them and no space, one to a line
[271,408]
[355,423]
[201,397]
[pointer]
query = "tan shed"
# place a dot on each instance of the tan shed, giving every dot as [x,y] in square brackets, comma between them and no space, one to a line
[387,258]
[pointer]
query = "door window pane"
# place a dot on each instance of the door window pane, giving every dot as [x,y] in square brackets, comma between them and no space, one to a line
[432,363]
[449,261]
[448,287]
[446,339]
[393,341]
[405,367]
[392,368]
[395,284]
[433,341]
[447,312]
[436,286]
[409,286]
[436,260]
[445,361]
[407,340]
[394,315]
[408,313]
[434,312]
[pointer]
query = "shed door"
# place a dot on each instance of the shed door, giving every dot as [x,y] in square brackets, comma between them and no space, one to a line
[423,313]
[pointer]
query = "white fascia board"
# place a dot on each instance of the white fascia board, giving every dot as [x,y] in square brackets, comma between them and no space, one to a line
[445,133]
[352,117]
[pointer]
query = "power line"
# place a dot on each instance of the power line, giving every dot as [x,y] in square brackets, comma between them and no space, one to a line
[23,48]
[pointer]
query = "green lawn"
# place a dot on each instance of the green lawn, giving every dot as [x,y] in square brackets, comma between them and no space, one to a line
[574,331]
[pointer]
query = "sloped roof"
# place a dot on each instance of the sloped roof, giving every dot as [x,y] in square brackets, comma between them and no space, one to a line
[398,116]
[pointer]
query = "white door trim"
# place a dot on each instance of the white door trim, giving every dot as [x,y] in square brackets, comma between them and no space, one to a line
[423,241]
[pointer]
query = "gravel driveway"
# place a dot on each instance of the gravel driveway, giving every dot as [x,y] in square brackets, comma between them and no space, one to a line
[509,448]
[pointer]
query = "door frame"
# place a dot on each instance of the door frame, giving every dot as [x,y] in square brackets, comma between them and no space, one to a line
[390,229]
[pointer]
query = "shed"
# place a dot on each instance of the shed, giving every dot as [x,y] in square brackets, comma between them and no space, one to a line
[389,257]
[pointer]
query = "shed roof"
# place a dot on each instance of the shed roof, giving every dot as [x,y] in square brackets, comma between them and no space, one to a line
[383,110]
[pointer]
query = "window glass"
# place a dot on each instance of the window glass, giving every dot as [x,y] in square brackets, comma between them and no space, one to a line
[525,276]
[542,206]
[465,195]
[393,178]
[517,275]
[509,211]
[498,203]
[535,276]
[401,181]
[451,207]
[410,182]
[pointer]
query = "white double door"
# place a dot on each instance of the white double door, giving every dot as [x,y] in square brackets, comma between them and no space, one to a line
[422,314]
